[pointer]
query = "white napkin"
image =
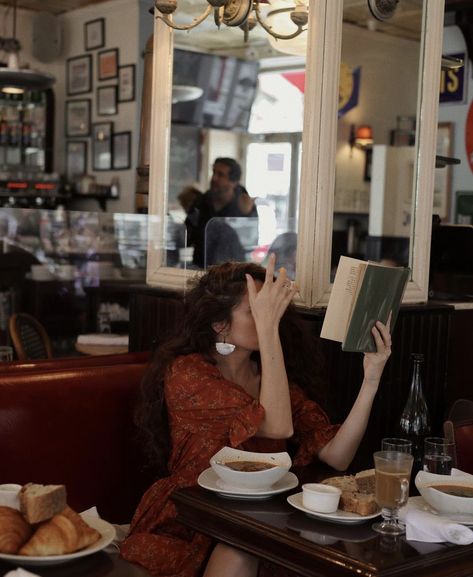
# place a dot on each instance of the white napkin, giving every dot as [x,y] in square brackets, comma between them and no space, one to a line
[430,528]
[20,573]
[121,531]
[9,495]
[103,339]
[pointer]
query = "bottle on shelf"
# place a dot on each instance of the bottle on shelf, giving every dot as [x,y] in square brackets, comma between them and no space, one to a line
[415,420]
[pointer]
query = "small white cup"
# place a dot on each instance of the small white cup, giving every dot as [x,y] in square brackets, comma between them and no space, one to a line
[320,498]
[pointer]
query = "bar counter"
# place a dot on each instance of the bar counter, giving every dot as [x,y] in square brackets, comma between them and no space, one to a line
[275,531]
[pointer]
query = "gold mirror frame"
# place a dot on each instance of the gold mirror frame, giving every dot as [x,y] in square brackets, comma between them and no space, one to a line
[318,157]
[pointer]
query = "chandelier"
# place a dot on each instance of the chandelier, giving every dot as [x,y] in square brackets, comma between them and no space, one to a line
[243,13]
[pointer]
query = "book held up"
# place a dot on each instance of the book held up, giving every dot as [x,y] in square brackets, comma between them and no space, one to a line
[362,293]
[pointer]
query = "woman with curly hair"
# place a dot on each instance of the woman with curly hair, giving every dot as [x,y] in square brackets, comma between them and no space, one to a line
[224,380]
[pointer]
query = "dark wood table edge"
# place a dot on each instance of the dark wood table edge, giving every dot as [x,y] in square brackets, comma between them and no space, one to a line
[297,554]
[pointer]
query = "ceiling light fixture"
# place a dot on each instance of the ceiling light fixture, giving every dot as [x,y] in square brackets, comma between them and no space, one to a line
[243,13]
[13,79]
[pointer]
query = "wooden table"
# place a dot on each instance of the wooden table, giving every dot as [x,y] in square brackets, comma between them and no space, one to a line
[97,565]
[275,531]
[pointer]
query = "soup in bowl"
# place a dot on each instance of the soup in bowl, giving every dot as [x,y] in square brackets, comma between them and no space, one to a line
[247,470]
[447,493]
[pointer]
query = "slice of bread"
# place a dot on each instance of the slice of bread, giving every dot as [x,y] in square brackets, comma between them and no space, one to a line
[39,503]
[353,499]
[365,481]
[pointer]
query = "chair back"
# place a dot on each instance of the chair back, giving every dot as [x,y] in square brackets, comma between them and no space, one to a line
[29,338]
[459,428]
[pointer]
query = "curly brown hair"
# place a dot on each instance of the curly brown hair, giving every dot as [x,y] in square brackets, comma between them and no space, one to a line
[211,300]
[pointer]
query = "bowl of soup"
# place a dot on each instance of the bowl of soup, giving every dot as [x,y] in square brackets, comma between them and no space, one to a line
[447,493]
[248,470]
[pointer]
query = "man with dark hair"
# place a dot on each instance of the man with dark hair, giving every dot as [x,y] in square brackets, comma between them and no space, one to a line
[225,197]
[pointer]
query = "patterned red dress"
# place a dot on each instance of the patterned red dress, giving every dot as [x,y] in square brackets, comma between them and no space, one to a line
[207,412]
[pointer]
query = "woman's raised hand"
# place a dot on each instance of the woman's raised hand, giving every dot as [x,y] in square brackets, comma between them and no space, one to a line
[373,363]
[269,303]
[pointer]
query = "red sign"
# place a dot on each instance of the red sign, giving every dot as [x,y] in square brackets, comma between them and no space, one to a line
[469,137]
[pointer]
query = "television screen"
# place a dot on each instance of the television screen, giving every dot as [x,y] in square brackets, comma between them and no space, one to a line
[228,85]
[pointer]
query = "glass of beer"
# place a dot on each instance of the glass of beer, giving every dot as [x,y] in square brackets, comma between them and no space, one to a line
[439,455]
[392,473]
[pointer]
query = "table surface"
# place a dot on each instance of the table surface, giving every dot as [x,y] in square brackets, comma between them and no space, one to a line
[98,565]
[275,531]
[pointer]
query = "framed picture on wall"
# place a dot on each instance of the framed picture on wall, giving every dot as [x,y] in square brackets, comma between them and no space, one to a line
[126,83]
[106,100]
[121,150]
[79,75]
[94,34]
[77,117]
[443,176]
[102,145]
[107,64]
[76,158]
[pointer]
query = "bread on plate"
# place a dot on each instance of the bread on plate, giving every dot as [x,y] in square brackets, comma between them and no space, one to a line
[41,502]
[64,533]
[357,492]
[14,530]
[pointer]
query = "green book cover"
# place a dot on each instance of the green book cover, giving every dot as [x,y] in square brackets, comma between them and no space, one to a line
[380,293]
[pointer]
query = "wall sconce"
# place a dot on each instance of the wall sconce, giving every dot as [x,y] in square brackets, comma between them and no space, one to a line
[361,137]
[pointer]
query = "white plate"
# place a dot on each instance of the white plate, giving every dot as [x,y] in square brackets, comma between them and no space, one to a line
[105,529]
[338,517]
[420,503]
[209,479]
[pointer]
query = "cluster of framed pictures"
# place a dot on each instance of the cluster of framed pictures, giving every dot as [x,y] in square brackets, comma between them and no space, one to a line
[110,151]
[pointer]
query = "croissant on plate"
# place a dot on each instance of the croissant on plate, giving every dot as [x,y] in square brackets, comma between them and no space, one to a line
[64,533]
[14,530]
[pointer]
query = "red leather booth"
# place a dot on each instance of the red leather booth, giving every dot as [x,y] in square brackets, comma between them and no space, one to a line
[74,425]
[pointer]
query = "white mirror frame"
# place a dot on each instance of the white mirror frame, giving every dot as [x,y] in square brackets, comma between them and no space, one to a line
[318,156]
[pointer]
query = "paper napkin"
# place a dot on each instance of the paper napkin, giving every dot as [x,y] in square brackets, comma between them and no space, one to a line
[430,528]
[20,573]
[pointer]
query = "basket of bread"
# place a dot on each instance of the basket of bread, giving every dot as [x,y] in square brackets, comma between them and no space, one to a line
[39,523]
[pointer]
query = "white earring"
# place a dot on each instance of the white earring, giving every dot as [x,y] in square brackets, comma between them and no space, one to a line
[224,348]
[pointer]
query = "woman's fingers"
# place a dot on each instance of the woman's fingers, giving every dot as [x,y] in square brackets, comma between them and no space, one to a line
[382,338]
[250,285]
[270,268]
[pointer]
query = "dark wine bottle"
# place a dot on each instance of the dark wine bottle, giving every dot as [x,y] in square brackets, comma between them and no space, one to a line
[415,421]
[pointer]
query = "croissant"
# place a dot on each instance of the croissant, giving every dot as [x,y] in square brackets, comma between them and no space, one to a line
[14,530]
[64,533]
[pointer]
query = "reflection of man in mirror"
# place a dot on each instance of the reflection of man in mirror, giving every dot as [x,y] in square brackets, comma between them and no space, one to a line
[225,198]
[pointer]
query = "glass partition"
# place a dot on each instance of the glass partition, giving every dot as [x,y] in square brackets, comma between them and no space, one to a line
[71,270]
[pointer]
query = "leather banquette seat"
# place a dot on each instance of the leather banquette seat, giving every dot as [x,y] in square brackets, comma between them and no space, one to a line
[74,425]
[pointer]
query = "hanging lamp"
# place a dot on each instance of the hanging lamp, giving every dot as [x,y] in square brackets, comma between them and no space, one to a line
[13,79]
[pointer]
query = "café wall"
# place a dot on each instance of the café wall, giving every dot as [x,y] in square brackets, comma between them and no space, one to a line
[456,113]
[128,25]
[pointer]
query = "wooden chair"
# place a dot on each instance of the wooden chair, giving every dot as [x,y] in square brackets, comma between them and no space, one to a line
[29,338]
[459,428]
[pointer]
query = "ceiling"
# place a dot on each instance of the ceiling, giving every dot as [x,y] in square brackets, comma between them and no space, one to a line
[53,6]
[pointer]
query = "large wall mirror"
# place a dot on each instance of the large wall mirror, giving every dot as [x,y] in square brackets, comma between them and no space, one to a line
[337,146]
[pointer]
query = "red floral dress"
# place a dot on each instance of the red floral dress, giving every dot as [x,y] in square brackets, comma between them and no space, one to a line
[207,412]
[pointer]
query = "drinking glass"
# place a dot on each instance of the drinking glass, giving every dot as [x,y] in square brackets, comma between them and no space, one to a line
[6,354]
[394,444]
[439,455]
[392,473]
